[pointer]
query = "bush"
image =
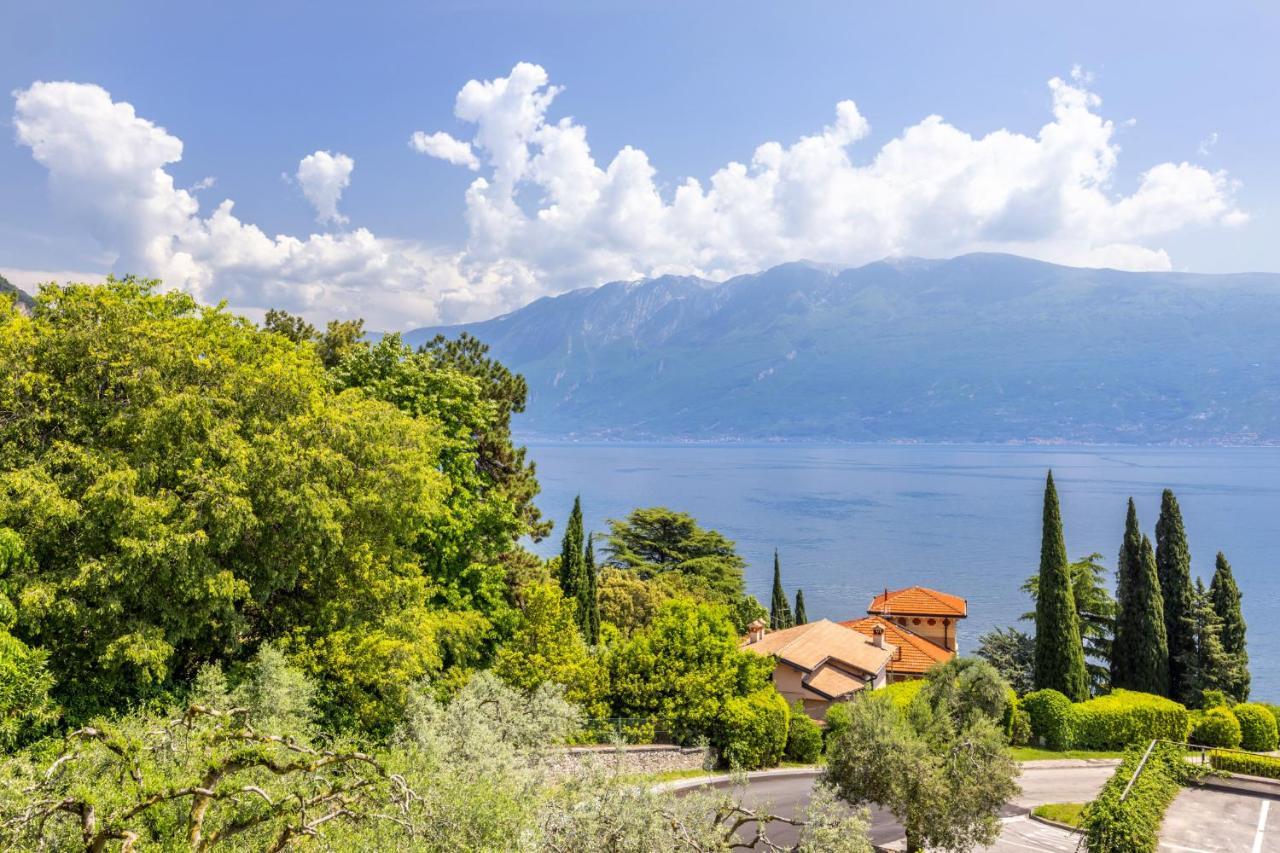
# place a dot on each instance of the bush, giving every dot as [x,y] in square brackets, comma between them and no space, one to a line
[838,720]
[804,738]
[1217,727]
[903,693]
[1051,718]
[1124,718]
[1251,765]
[755,729]
[1214,699]
[1258,731]
[1275,711]
[1132,826]
[1020,728]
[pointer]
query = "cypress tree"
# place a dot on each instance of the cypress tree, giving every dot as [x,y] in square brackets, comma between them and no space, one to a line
[779,609]
[1150,644]
[1225,597]
[591,601]
[1212,663]
[1127,569]
[573,571]
[1173,567]
[802,618]
[1059,660]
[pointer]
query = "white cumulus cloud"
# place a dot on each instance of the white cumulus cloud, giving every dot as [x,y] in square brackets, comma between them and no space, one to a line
[323,177]
[544,215]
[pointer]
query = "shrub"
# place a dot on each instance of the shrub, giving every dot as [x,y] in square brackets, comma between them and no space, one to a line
[838,720]
[1132,826]
[903,693]
[1251,765]
[1124,718]
[1258,731]
[1020,728]
[1051,718]
[1214,699]
[1275,711]
[804,739]
[1217,727]
[755,729]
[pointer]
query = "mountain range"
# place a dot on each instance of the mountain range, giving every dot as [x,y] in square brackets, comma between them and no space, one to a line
[24,298]
[978,348]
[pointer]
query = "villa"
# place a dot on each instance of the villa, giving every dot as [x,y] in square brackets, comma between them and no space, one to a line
[903,635]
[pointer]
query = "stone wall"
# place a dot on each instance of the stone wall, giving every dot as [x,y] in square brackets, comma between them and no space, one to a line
[648,758]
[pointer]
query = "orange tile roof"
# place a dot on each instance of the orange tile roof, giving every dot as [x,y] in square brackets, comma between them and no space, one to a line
[831,681]
[914,656]
[808,646]
[918,601]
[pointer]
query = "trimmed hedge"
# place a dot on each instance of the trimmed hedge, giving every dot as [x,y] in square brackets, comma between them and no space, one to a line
[1251,765]
[755,729]
[1133,826]
[1124,718]
[1258,731]
[903,693]
[804,738]
[1051,718]
[838,722]
[1216,727]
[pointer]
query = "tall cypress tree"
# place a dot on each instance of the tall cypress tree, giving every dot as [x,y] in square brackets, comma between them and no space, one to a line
[779,609]
[802,618]
[1059,660]
[1151,646]
[1212,663]
[1225,597]
[1173,566]
[1123,649]
[573,570]
[590,601]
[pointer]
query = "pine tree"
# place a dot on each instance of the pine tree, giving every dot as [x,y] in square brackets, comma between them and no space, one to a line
[1123,647]
[1211,664]
[1173,567]
[1150,644]
[1225,596]
[1059,662]
[592,601]
[573,571]
[779,609]
[802,618]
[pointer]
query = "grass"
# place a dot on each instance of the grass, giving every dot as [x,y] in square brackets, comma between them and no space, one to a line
[1068,813]
[1032,753]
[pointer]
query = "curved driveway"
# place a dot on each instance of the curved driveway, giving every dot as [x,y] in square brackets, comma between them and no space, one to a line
[1042,782]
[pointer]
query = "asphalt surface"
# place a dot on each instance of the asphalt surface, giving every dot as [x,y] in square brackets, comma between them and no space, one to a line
[1202,820]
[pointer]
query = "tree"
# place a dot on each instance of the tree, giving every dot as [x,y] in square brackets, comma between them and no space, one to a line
[1013,654]
[944,784]
[1211,665]
[779,610]
[592,592]
[1096,611]
[1127,636]
[1150,655]
[573,568]
[1225,596]
[1173,567]
[1059,662]
[683,669]
[801,617]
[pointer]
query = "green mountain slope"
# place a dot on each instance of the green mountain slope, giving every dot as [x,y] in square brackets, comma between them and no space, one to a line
[24,298]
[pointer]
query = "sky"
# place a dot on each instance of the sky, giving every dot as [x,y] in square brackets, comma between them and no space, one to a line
[428,163]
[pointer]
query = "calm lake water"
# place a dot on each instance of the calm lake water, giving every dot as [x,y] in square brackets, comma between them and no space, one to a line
[851,520]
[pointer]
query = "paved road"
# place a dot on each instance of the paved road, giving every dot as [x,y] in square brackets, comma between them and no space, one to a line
[787,795]
[1202,820]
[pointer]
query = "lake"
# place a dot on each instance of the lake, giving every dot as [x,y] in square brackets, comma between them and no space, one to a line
[851,520]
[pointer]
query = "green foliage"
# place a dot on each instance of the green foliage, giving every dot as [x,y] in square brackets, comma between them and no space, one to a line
[1020,731]
[1216,727]
[591,595]
[804,738]
[838,718]
[1132,826]
[1173,567]
[572,571]
[902,693]
[1264,766]
[683,669]
[779,610]
[1013,654]
[1096,611]
[1225,597]
[1051,718]
[1215,699]
[801,616]
[1059,658]
[945,785]
[1123,718]
[959,691]
[753,732]
[1258,731]
[627,601]
[1211,668]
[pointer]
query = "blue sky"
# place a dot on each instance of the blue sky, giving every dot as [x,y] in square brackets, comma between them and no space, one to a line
[252,88]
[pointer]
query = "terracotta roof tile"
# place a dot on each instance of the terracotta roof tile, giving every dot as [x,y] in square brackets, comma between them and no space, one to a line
[831,681]
[808,646]
[914,656]
[919,601]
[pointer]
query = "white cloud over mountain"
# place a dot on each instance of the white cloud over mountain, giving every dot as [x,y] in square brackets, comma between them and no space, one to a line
[544,216]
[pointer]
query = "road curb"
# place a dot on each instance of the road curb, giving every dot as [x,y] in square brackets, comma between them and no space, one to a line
[720,779]
[1075,830]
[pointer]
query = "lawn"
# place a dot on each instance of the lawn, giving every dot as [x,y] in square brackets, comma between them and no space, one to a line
[1068,813]
[1032,753]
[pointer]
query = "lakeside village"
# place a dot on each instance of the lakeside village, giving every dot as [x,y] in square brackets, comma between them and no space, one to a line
[266,586]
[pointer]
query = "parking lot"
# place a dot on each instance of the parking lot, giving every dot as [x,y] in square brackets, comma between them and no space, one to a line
[1203,820]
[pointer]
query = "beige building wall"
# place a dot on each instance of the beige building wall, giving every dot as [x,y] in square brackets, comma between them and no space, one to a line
[942,631]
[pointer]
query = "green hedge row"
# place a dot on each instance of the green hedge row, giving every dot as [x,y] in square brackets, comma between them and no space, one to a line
[1133,826]
[1119,719]
[1250,726]
[755,729]
[1251,765]
[1215,727]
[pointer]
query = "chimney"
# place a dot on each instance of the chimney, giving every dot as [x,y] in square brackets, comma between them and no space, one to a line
[878,636]
[755,631]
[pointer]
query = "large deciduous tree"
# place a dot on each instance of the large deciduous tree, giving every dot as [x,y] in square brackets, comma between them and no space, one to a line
[1173,567]
[1059,662]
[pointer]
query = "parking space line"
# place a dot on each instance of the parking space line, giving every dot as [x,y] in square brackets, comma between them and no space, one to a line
[1262,826]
